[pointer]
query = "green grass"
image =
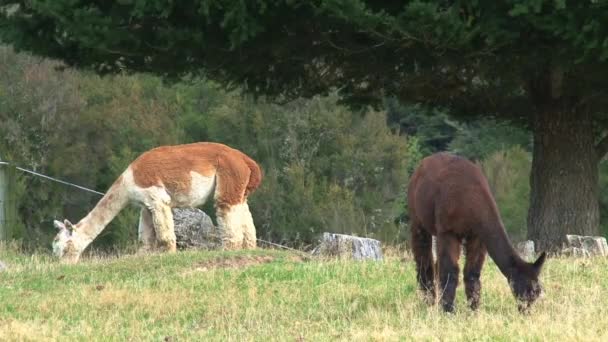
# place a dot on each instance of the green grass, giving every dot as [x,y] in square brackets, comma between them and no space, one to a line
[186,297]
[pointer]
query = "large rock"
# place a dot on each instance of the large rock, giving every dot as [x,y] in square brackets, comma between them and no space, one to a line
[526,250]
[194,229]
[575,252]
[593,245]
[348,247]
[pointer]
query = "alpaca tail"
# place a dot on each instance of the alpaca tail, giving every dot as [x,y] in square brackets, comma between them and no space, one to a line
[255,178]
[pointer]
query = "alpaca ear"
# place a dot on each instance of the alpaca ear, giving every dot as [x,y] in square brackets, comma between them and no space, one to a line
[68,225]
[58,225]
[538,264]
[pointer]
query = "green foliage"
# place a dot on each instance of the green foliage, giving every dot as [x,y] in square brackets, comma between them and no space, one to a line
[508,174]
[435,131]
[480,139]
[432,127]
[77,127]
[475,57]
[518,59]
[326,169]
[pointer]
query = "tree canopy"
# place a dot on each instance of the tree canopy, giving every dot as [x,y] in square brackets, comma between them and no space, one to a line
[471,55]
[537,61]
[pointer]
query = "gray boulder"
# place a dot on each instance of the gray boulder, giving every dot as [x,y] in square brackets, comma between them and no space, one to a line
[348,247]
[575,252]
[194,229]
[526,250]
[592,245]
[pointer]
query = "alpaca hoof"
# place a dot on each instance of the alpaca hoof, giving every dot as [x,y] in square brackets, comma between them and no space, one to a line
[231,246]
[448,307]
[247,245]
[474,304]
[523,308]
[168,247]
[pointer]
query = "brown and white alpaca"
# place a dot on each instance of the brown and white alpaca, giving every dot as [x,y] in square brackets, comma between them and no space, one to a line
[449,197]
[173,176]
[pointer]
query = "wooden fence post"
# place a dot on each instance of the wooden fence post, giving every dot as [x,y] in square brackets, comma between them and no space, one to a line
[3,200]
[7,205]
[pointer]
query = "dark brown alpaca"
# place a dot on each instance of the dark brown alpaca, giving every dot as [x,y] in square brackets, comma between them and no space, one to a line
[449,197]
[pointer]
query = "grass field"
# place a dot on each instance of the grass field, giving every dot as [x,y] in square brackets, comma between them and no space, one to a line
[270,295]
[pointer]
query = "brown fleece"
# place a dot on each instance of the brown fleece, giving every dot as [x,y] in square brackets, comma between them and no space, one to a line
[255,178]
[449,197]
[237,174]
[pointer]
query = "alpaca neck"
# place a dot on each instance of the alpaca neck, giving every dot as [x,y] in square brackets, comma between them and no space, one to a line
[499,246]
[502,252]
[102,214]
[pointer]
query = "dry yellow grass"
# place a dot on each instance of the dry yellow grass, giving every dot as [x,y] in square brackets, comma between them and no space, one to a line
[270,295]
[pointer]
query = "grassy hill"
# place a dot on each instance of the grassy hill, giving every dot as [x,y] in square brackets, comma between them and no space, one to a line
[270,295]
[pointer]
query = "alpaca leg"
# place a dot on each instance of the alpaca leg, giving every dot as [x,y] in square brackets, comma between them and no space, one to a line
[231,209]
[147,236]
[476,255]
[422,247]
[249,235]
[448,252]
[229,221]
[163,226]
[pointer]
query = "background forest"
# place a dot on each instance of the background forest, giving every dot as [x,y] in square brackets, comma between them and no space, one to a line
[327,167]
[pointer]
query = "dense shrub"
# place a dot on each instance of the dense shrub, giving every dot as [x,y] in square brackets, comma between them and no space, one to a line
[326,168]
[508,174]
[77,127]
[480,139]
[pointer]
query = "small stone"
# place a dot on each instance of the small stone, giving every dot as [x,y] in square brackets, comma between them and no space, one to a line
[349,247]
[526,250]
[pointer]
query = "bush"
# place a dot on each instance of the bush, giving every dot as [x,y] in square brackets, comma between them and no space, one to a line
[480,139]
[77,127]
[326,168]
[508,174]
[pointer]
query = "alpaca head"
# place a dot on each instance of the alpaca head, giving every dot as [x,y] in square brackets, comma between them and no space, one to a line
[67,242]
[525,284]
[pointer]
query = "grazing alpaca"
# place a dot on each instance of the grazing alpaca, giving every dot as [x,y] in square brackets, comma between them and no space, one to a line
[449,197]
[173,176]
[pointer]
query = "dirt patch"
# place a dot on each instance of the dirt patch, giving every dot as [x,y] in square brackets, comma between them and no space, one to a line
[233,262]
[236,262]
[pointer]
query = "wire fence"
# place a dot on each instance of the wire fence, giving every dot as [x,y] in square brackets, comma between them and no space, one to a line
[8,205]
[30,200]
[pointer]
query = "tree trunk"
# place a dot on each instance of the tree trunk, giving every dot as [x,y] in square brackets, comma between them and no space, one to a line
[564,178]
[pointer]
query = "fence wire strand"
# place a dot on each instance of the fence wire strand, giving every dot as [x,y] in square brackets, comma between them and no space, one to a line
[101,194]
[54,179]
